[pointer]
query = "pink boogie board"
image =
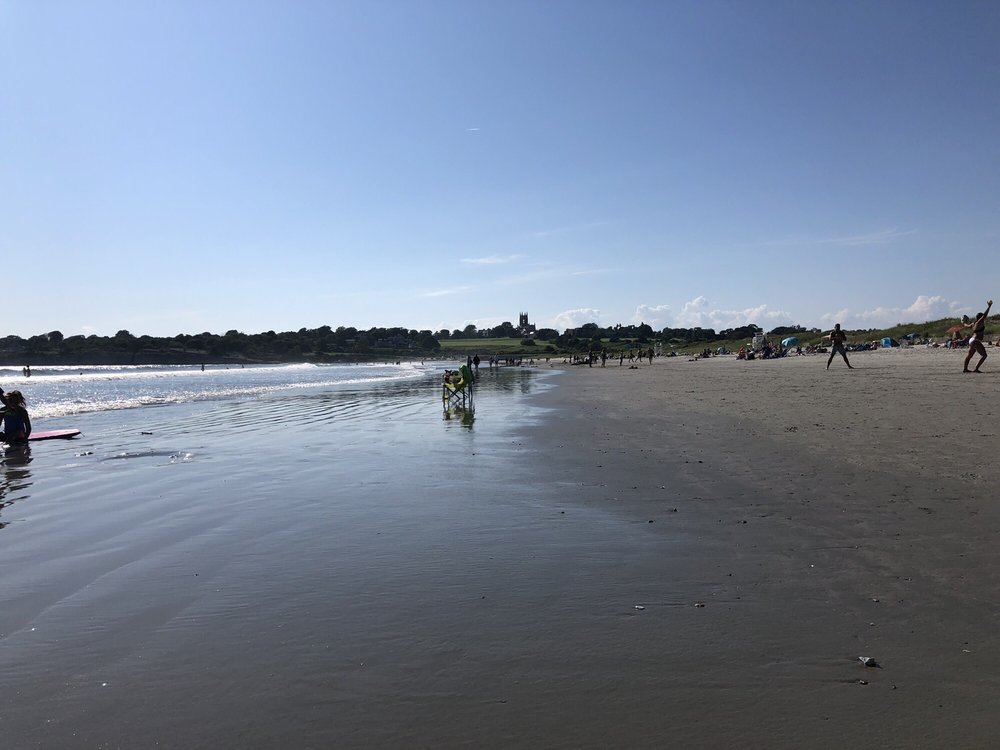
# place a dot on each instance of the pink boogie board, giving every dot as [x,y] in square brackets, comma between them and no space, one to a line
[53,435]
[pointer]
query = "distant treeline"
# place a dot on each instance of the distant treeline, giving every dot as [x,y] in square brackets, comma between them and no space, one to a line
[642,333]
[326,344]
[305,345]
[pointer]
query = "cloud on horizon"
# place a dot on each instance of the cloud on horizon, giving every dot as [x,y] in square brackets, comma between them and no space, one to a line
[924,308]
[655,316]
[576,318]
[701,313]
[698,313]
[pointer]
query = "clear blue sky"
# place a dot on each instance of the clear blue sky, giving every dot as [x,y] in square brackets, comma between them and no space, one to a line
[187,166]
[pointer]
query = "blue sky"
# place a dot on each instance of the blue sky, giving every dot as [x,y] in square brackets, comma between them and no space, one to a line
[204,166]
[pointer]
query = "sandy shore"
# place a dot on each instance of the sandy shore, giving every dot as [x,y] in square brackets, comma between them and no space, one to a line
[688,554]
[819,516]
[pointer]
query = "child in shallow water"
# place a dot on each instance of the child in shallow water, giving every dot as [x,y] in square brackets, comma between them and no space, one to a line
[16,422]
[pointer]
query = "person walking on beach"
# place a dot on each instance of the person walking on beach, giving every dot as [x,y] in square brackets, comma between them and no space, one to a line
[16,422]
[978,327]
[838,338]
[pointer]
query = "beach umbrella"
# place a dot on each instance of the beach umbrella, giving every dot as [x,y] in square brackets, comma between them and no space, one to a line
[790,341]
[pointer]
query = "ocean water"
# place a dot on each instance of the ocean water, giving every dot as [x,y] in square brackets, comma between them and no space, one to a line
[221,554]
[68,390]
[183,414]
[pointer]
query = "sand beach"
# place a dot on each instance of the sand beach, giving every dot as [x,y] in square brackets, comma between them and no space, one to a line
[820,516]
[686,554]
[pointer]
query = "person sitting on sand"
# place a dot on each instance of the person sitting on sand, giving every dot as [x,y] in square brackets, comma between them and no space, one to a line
[838,338]
[16,422]
[978,327]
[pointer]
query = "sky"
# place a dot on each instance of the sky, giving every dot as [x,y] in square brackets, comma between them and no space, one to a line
[189,166]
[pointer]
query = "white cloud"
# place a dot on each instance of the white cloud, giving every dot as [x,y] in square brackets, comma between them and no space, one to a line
[653,315]
[879,237]
[542,233]
[575,318]
[446,292]
[484,323]
[875,237]
[492,260]
[538,272]
[698,313]
[924,308]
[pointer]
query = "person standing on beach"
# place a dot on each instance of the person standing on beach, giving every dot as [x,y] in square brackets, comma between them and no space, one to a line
[838,338]
[16,422]
[978,327]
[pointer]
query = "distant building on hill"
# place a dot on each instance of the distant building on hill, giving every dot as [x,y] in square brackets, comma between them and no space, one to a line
[393,342]
[524,328]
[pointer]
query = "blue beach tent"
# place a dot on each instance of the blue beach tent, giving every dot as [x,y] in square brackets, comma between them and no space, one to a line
[790,341]
[888,343]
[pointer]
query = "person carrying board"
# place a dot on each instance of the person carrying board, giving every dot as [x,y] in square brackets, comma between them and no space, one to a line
[16,422]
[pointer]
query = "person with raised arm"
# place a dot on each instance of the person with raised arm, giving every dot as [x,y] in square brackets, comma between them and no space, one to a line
[978,327]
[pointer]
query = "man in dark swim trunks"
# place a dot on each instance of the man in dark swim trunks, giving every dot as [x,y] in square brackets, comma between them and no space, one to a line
[838,338]
[978,327]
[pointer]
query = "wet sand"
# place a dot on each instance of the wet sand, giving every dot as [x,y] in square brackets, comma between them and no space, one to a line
[534,581]
[819,516]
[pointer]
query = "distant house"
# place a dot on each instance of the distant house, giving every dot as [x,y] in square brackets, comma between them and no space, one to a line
[524,328]
[394,342]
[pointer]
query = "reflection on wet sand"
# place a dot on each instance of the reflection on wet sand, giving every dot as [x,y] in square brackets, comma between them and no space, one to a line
[488,383]
[463,415]
[348,405]
[15,478]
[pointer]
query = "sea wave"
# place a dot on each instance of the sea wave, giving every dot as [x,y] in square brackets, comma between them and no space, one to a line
[63,391]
